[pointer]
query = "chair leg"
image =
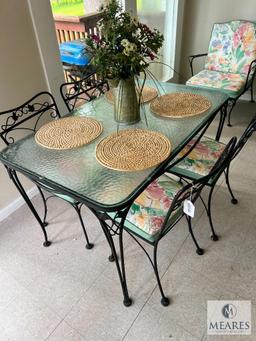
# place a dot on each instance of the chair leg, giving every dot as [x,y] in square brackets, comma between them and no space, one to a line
[45,205]
[233,199]
[164,300]
[229,113]
[78,210]
[252,99]
[214,236]
[199,251]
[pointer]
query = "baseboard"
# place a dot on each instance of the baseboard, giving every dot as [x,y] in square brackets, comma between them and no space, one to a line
[17,203]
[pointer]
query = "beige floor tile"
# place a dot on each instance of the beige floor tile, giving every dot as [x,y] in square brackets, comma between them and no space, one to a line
[60,274]
[231,236]
[242,280]
[158,326]
[8,289]
[101,315]
[188,292]
[25,319]
[212,265]
[65,333]
[65,277]
[243,184]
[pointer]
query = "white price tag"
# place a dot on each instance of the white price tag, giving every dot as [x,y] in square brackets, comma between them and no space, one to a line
[189,208]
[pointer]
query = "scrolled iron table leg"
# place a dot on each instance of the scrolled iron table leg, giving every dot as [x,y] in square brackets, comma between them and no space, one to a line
[110,231]
[13,176]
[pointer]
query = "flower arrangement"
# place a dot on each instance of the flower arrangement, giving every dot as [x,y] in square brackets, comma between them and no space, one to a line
[125,46]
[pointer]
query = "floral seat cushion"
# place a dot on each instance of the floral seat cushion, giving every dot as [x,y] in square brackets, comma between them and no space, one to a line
[231,50]
[231,83]
[201,159]
[232,47]
[147,213]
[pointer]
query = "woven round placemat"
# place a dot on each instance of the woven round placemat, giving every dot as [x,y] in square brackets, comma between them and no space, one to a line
[180,105]
[147,95]
[69,132]
[133,150]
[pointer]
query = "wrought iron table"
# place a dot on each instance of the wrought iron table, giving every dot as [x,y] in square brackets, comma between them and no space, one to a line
[77,173]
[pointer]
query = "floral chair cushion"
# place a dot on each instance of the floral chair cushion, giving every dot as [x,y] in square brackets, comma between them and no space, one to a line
[148,212]
[201,159]
[232,47]
[231,83]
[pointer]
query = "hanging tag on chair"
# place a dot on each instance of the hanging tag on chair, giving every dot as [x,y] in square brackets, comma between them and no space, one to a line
[189,208]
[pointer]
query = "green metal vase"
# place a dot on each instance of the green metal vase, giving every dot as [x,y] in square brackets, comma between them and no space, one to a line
[126,105]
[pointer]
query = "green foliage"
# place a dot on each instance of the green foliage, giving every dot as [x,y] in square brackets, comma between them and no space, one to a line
[125,45]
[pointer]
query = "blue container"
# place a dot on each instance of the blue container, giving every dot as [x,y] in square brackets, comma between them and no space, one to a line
[73,52]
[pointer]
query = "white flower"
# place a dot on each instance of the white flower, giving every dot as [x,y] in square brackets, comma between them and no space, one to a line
[131,47]
[125,42]
[138,31]
[128,47]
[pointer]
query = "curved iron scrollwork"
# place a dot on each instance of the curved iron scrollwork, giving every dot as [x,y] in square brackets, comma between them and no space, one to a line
[112,222]
[112,226]
[16,118]
[86,89]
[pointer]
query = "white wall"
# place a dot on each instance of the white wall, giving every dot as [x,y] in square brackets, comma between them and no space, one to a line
[21,74]
[44,28]
[199,17]
[29,63]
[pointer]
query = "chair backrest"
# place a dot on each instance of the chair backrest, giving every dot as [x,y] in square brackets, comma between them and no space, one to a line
[27,117]
[232,47]
[251,128]
[78,92]
[193,189]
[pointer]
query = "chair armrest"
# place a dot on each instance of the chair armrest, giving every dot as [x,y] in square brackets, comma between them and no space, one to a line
[191,59]
[252,72]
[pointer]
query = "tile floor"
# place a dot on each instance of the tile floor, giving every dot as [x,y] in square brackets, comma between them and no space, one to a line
[68,293]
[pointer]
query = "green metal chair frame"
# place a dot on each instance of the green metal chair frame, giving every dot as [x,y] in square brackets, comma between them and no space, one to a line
[219,30]
[183,174]
[175,212]
[13,121]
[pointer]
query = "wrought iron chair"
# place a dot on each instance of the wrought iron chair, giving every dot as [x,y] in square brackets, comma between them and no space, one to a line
[28,117]
[230,62]
[84,90]
[160,207]
[203,157]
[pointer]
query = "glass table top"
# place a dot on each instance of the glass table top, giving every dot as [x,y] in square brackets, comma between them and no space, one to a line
[76,171]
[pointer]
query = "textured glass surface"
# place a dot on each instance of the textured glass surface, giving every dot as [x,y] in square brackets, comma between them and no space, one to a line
[78,169]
